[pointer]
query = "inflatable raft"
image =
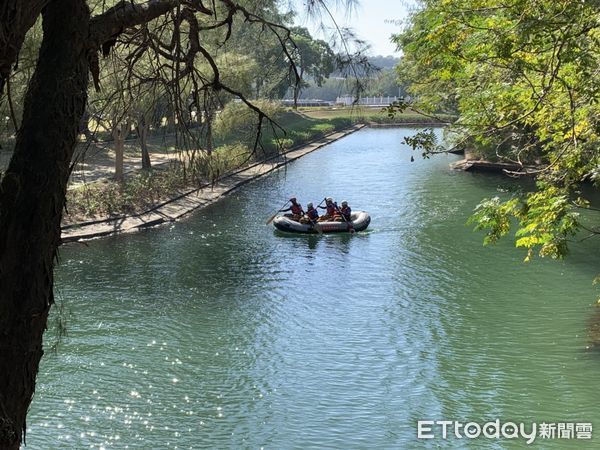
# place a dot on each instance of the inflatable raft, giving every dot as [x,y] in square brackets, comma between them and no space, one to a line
[360,221]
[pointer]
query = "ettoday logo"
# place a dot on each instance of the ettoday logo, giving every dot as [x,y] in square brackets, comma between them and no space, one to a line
[443,429]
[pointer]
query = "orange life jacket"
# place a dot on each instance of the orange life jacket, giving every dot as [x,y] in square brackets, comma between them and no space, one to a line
[296,209]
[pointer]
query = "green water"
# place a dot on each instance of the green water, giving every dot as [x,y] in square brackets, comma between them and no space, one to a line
[217,332]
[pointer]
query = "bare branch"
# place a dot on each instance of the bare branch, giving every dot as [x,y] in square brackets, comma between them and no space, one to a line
[113,21]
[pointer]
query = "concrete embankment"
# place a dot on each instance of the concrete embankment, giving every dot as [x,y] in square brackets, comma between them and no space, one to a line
[186,202]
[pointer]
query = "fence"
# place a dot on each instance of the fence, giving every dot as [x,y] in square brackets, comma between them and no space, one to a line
[383,100]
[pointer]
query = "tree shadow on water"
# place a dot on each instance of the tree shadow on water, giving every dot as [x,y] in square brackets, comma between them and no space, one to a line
[593,332]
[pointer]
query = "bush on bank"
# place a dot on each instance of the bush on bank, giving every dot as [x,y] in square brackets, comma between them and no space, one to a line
[235,149]
[109,198]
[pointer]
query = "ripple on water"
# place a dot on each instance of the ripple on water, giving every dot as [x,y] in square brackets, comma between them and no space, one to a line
[216,332]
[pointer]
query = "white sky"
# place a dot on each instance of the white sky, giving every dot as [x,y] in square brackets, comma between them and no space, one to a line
[372,20]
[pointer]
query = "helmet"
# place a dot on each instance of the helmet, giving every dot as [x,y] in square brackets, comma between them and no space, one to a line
[329,199]
[293,199]
[309,205]
[344,203]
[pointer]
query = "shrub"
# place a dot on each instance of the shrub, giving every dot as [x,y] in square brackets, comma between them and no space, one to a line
[237,123]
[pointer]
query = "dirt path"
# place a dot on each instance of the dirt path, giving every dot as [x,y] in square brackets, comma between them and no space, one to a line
[96,161]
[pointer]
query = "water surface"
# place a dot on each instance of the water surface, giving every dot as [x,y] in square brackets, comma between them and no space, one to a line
[217,332]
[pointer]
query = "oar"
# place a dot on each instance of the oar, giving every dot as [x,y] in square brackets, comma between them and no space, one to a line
[275,215]
[316,226]
[351,229]
[324,200]
[314,223]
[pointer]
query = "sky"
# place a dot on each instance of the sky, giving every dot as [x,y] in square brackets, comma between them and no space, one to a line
[372,20]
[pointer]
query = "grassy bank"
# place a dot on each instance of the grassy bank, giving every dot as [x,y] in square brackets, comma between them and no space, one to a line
[141,191]
[300,129]
[363,114]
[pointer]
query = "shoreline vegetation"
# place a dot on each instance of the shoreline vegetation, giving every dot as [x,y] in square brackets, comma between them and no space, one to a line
[94,200]
[182,203]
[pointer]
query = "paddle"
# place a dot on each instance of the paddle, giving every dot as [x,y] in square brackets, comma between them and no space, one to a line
[324,200]
[351,229]
[275,215]
[314,223]
[318,226]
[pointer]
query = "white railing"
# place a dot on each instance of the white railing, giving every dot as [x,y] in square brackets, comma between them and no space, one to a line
[383,100]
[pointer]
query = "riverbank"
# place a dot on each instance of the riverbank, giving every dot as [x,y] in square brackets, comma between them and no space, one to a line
[375,117]
[186,202]
[479,165]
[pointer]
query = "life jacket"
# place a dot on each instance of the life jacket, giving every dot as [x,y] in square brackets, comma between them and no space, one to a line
[331,209]
[347,212]
[296,209]
[312,214]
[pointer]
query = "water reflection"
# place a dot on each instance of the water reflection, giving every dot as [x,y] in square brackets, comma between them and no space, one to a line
[339,242]
[594,331]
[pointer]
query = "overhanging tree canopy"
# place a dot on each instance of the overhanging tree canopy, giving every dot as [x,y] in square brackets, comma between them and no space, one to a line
[523,77]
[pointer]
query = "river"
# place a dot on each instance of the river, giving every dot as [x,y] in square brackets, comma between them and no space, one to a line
[217,332]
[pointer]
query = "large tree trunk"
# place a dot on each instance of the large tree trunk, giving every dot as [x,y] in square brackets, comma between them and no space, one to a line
[32,197]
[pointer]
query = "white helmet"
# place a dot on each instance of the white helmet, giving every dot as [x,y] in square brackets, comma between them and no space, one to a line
[309,205]
[329,199]
[344,203]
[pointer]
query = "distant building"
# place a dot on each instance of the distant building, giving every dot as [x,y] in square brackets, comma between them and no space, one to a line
[383,100]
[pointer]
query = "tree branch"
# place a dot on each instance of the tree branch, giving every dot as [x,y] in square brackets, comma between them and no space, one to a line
[16,18]
[112,22]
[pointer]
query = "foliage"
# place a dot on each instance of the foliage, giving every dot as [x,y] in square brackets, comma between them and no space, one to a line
[425,139]
[238,123]
[234,126]
[381,82]
[315,57]
[523,78]
[546,221]
[301,129]
[211,166]
[384,62]
[135,194]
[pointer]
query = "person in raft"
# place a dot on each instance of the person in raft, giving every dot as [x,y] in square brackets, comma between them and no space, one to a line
[296,209]
[331,208]
[345,213]
[311,216]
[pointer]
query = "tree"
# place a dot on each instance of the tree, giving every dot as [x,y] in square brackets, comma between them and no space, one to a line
[383,83]
[32,191]
[523,78]
[141,127]
[315,57]
[275,74]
